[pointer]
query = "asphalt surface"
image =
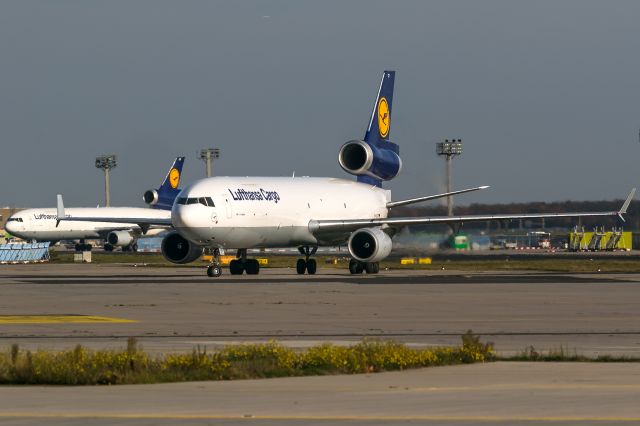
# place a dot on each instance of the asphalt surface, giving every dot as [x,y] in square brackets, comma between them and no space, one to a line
[173,309]
[178,308]
[496,393]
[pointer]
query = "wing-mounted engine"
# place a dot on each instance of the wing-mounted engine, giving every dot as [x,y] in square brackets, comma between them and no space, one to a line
[361,158]
[177,249]
[120,238]
[369,245]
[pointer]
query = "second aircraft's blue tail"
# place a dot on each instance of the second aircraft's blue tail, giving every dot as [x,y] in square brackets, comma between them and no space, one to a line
[165,195]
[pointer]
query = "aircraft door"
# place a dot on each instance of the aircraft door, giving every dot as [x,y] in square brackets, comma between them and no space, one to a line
[227,206]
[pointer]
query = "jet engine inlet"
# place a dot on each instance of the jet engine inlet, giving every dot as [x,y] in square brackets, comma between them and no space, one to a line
[355,157]
[177,249]
[361,158]
[151,197]
[119,238]
[369,245]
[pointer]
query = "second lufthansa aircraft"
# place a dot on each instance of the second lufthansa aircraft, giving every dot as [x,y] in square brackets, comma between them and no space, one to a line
[304,212]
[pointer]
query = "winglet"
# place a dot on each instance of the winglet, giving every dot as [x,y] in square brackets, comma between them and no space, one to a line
[625,206]
[60,210]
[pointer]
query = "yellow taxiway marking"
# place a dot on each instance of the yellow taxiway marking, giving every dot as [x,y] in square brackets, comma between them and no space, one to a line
[59,319]
[176,416]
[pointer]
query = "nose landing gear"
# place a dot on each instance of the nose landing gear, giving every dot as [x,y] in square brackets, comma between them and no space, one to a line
[307,264]
[214,269]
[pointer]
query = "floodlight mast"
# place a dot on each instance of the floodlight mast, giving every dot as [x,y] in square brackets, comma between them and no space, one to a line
[106,163]
[207,155]
[449,149]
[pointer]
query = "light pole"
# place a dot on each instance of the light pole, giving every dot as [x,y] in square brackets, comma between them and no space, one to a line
[106,163]
[207,155]
[449,149]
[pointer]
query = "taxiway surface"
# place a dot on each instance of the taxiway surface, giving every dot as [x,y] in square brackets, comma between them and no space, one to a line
[178,308]
[174,309]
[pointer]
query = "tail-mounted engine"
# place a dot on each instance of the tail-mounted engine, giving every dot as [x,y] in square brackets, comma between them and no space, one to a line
[375,158]
[369,245]
[177,249]
[361,158]
[151,197]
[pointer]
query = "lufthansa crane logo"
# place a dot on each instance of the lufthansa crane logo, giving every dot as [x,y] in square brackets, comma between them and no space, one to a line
[174,178]
[383,117]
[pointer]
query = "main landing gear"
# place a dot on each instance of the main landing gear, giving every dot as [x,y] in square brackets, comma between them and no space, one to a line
[242,264]
[307,264]
[82,246]
[357,267]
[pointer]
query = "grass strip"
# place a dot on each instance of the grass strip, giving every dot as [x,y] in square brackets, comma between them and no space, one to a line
[562,354]
[81,366]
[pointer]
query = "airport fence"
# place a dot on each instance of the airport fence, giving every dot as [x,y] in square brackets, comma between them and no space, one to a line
[24,253]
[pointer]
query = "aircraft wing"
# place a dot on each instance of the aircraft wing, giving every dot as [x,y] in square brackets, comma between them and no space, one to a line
[433,197]
[143,222]
[398,222]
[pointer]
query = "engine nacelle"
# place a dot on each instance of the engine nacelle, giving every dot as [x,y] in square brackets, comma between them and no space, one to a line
[151,197]
[177,249]
[361,158]
[369,245]
[120,238]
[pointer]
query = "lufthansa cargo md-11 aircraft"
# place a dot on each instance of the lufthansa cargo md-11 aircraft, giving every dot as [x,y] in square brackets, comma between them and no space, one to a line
[306,212]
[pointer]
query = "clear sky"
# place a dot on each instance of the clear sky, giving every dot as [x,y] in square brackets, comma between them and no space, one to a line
[544,94]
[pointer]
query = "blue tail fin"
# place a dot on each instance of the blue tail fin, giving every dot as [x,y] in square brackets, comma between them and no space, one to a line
[164,196]
[380,122]
[377,135]
[172,180]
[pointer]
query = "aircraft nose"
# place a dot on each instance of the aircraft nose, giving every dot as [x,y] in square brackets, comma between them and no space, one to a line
[182,216]
[10,227]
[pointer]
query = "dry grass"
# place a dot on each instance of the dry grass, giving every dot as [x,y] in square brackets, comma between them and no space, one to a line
[81,366]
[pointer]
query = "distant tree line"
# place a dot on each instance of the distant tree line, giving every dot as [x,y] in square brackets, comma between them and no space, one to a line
[632,217]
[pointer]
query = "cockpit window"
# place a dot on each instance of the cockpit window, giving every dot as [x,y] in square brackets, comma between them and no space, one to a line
[14,219]
[205,201]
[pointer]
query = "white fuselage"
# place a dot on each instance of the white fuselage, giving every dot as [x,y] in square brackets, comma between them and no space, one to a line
[252,212]
[41,224]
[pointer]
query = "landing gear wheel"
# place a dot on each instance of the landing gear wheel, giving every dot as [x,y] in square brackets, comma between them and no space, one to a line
[355,267]
[312,266]
[214,271]
[108,247]
[372,267]
[301,266]
[236,267]
[134,247]
[252,266]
